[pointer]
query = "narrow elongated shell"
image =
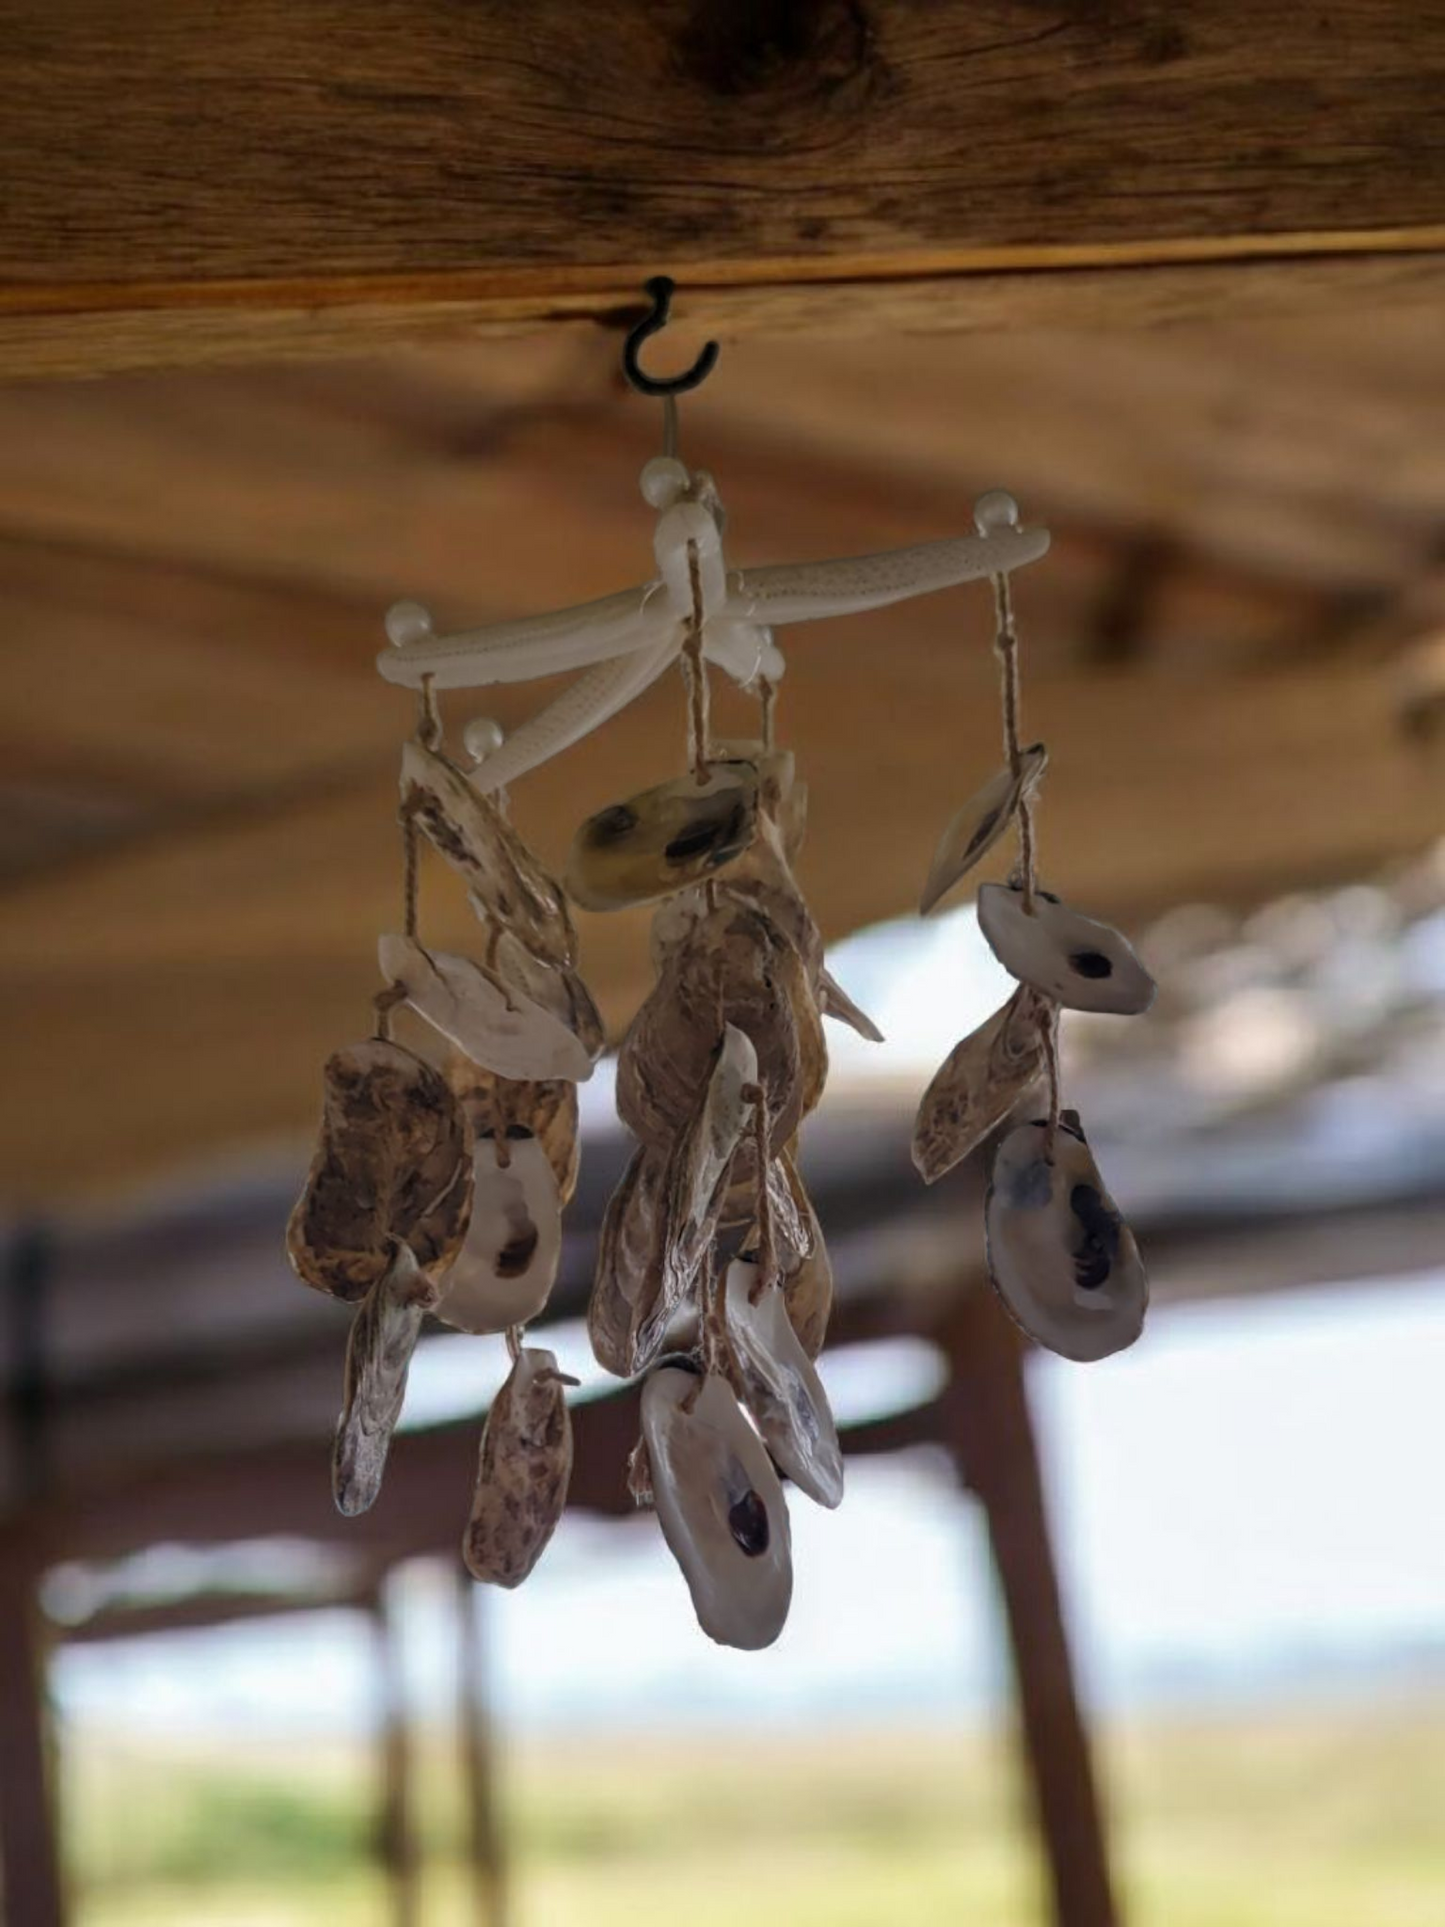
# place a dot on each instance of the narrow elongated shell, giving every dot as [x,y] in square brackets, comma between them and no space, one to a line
[807,1268]
[1060,1255]
[979,1083]
[628,1280]
[543,1108]
[972,833]
[394,1161]
[777,1383]
[523,1474]
[698,1174]
[664,839]
[732,961]
[720,1506]
[505,1271]
[1065,955]
[508,885]
[835,1002]
[502,1029]
[383,1337]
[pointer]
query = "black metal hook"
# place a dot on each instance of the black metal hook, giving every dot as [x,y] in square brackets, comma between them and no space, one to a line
[661,288]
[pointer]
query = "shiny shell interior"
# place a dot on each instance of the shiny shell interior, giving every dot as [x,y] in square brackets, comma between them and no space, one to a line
[495,1025]
[1061,1257]
[720,1506]
[664,839]
[507,1266]
[1068,957]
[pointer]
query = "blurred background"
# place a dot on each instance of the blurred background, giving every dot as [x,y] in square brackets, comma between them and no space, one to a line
[1170,1628]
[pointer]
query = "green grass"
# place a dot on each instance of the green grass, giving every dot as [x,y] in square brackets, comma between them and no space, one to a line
[1334,1818]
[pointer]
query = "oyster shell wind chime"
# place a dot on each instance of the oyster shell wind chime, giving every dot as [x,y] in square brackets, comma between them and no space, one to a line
[442,1172]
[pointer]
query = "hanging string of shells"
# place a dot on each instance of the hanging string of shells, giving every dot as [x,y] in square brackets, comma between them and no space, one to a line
[1060,1256]
[441,1173]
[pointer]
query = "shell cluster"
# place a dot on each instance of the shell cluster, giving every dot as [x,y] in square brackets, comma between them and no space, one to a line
[1060,1255]
[712,1276]
[438,1186]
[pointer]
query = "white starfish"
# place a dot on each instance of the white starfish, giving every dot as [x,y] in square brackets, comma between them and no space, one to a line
[625,641]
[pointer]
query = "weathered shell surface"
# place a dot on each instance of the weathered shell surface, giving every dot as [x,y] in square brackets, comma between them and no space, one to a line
[778,1384]
[664,839]
[1066,956]
[720,1506]
[1061,1257]
[979,1083]
[628,1279]
[732,961]
[394,1161]
[383,1337]
[508,885]
[505,1271]
[524,1472]
[496,1026]
[972,833]
[545,1108]
[807,1268]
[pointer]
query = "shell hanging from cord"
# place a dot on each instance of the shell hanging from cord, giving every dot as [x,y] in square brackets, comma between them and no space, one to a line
[1059,1253]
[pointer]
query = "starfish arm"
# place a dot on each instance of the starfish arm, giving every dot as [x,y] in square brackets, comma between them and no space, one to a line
[805,591]
[579,710]
[542,645]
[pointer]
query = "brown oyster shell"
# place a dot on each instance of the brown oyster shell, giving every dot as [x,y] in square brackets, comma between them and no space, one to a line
[524,1470]
[664,839]
[979,1083]
[383,1337]
[394,1161]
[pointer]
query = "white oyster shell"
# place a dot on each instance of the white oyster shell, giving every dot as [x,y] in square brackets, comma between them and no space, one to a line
[508,1264]
[780,1387]
[1068,957]
[501,1028]
[1060,1255]
[720,1506]
[975,829]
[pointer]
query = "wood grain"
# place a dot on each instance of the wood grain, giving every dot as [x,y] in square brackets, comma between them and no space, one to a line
[201,182]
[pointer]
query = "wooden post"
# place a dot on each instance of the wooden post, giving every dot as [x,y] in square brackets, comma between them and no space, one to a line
[396,1841]
[991,1434]
[29,1850]
[486,1854]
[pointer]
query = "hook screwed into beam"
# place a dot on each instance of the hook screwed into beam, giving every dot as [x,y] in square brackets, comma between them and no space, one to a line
[661,289]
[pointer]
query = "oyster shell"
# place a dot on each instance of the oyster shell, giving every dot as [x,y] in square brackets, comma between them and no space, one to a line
[807,1268]
[776,1380]
[1060,1255]
[979,1083]
[720,1506]
[523,1474]
[664,839]
[498,1027]
[698,1172]
[1065,955]
[972,833]
[383,1337]
[394,1161]
[508,886]
[505,1270]
[628,1279]
[729,964]
[835,1002]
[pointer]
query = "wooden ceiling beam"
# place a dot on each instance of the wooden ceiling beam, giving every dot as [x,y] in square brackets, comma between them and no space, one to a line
[191,184]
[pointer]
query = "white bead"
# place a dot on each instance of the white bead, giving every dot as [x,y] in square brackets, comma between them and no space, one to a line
[663,480]
[407,622]
[482,737]
[995,510]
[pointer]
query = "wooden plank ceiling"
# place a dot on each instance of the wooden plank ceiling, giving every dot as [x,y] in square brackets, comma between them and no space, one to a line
[307,175]
[198,760]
